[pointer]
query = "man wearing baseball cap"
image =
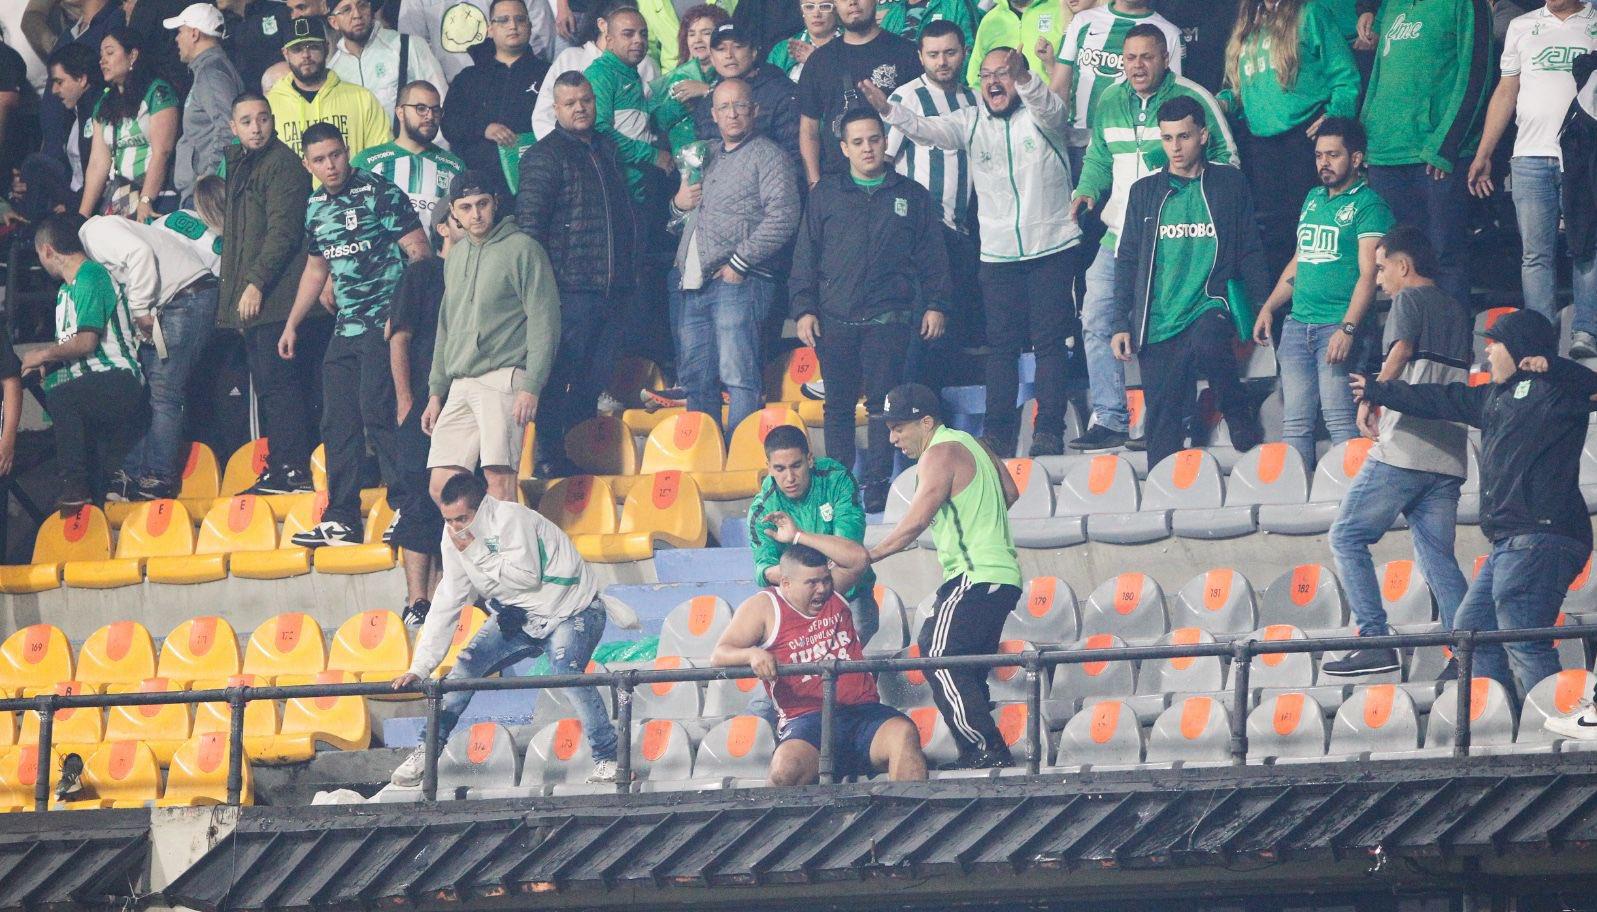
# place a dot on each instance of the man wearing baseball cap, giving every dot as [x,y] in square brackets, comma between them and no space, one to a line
[1532,428]
[963,493]
[736,55]
[314,94]
[209,109]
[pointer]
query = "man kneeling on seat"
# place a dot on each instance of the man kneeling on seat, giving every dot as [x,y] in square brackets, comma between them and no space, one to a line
[803,619]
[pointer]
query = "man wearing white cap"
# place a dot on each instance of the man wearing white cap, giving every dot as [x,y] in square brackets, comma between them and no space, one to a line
[209,108]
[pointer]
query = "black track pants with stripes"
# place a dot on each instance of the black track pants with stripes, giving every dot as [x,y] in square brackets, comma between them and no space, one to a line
[967,619]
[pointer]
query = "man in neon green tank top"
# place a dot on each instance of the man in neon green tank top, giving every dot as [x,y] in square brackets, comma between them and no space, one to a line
[963,493]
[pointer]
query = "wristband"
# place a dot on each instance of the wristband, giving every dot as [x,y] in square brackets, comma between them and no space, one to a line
[798,538]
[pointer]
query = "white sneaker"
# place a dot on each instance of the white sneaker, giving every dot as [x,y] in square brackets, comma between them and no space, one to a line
[1581,724]
[408,773]
[603,771]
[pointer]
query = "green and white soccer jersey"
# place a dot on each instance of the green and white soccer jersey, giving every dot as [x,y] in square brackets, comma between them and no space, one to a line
[94,301]
[1092,45]
[207,244]
[357,231]
[424,176]
[945,174]
[1329,230]
[129,139]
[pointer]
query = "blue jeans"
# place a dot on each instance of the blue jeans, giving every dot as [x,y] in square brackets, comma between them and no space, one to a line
[503,641]
[186,324]
[1429,501]
[718,343]
[1105,373]
[1538,205]
[1436,207]
[1312,388]
[1521,584]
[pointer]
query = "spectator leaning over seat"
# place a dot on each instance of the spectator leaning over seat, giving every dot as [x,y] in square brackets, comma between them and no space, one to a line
[1532,429]
[378,58]
[1417,464]
[1188,267]
[1329,286]
[1126,147]
[1288,69]
[829,85]
[1423,110]
[267,186]
[735,57]
[1029,242]
[1018,24]
[313,94]
[799,618]
[491,101]
[1536,88]
[542,599]
[455,29]
[171,296]
[734,226]
[359,231]
[574,201]
[497,331]
[75,81]
[621,112]
[413,162]
[870,272]
[820,27]
[963,493]
[821,497]
[135,133]
[92,387]
[209,106]
[579,57]
[675,92]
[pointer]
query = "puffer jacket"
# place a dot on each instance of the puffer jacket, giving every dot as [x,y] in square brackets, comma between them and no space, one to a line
[265,244]
[573,200]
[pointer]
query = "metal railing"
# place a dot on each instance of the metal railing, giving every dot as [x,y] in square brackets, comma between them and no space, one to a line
[1239,653]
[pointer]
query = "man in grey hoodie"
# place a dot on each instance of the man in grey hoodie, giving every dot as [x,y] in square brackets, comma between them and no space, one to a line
[497,330]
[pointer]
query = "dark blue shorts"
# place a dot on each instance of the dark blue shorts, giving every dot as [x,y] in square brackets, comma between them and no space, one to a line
[853,729]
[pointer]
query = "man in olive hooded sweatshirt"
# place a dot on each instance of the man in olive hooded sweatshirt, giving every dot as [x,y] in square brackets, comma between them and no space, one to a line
[497,330]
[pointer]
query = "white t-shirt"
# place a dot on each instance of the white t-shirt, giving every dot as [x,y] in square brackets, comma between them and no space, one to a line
[1540,49]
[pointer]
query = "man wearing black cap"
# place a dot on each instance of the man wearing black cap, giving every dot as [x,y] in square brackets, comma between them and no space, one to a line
[497,330]
[1532,428]
[735,55]
[963,493]
[314,94]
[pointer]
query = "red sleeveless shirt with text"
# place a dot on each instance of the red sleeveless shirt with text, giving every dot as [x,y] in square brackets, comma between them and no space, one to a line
[798,638]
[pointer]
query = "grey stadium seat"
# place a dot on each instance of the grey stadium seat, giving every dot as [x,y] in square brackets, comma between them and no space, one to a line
[1377,717]
[730,697]
[1332,478]
[898,498]
[892,629]
[936,741]
[1102,484]
[1046,614]
[1189,479]
[1130,606]
[1082,684]
[905,689]
[1309,597]
[661,751]
[669,700]
[739,748]
[1469,494]
[1031,516]
[1581,599]
[481,756]
[694,626]
[1271,473]
[1160,681]
[1290,725]
[1404,594]
[1220,601]
[1282,672]
[1195,730]
[1491,715]
[1104,734]
[1555,695]
[557,755]
[1008,682]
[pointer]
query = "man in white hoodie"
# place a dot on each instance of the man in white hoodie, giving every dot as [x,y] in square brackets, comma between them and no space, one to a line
[542,599]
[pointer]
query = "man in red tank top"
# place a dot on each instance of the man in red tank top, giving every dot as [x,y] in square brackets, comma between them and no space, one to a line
[803,619]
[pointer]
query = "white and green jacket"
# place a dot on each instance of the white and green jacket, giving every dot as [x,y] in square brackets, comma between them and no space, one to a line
[1018,166]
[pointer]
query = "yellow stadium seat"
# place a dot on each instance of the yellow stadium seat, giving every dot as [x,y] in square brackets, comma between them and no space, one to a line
[118,774]
[643,421]
[74,731]
[581,504]
[115,658]
[202,648]
[529,451]
[8,729]
[198,486]
[86,536]
[471,620]
[244,467]
[299,513]
[603,446]
[198,774]
[156,528]
[371,646]
[260,718]
[688,442]
[342,722]
[241,533]
[288,644]
[666,510]
[745,460]
[33,660]
[371,557]
[19,771]
[163,726]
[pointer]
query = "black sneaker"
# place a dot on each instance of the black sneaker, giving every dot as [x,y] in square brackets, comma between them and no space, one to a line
[271,482]
[990,759]
[1047,445]
[71,781]
[874,497]
[416,612]
[814,389]
[297,481]
[1099,437]
[327,534]
[1362,662]
[154,489]
[388,533]
[1137,444]
[120,488]
[1449,671]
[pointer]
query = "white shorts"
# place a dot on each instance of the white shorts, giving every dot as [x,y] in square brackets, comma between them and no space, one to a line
[476,425]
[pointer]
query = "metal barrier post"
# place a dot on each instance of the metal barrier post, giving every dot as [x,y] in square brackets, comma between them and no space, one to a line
[828,721]
[1035,745]
[41,779]
[235,745]
[429,741]
[1241,668]
[624,732]
[1465,653]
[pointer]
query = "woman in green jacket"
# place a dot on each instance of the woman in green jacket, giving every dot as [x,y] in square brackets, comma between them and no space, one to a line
[675,92]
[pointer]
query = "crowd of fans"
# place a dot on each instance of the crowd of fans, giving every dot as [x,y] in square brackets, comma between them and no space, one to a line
[429,222]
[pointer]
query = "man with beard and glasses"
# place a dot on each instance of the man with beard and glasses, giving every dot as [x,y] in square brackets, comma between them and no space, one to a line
[1016,141]
[413,161]
[381,59]
[314,94]
[829,85]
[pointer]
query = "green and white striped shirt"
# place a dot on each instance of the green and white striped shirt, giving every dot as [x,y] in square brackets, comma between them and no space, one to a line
[93,300]
[129,139]
[424,176]
[1092,45]
[946,175]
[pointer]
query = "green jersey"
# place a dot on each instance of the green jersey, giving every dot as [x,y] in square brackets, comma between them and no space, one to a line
[675,118]
[830,507]
[94,301]
[621,112]
[1329,231]
[510,158]
[1183,259]
[1434,70]
[971,529]
[357,230]
[424,176]
[1092,45]
[129,139]
[906,19]
[1327,80]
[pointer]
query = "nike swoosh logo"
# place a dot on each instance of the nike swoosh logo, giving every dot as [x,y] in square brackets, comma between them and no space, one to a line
[1584,724]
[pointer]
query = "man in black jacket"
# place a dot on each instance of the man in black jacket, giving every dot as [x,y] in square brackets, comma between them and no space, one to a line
[1532,429]
[574,201]
[870,264]
[736,55]
[490,102]
[1174,309]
